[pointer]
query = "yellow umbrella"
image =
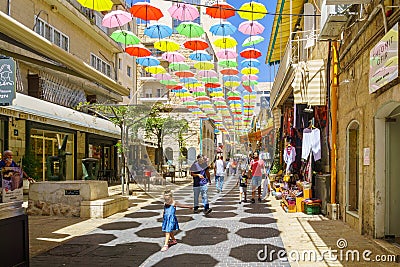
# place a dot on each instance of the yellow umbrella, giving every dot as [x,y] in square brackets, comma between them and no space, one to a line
[204,65]
[248,71]
[232,83]
[98,5]
[193,85]
[225,42]
[248,97]
[182,95]
[167,45]
[235,105]
[252,11]
[156,69]
[217,94]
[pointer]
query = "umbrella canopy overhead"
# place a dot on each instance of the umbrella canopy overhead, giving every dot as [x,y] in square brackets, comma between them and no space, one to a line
[145,11]
[184,74]
[229,71]
[223,29]
[138,51]
[221,11]
[200,56]
[98,5]
[190,29]
[166,45]
[252,40]
[173,57]
[162,76]
[207,73]
[252,11]
[228,63]
[158,30]
[251,27]
[179,66]
[227,54]
[116,18]
[183,12]
[204,65]
[250,63]
[225,42]
[155,69]
[125,37]
[248,71]
[148,61]
[196,44]
[250,53]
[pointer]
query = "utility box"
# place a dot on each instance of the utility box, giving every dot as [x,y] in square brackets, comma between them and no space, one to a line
[323,190]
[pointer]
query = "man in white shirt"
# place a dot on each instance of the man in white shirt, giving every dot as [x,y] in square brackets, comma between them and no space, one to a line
[219,170]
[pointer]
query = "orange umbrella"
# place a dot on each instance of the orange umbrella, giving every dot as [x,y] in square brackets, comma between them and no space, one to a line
[196,44]
[184,74]
[146,11]
[229,71]
[222,11]
[138,51]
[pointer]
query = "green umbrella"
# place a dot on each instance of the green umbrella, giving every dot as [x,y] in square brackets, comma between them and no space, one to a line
[190,29]
[168,82]
[252,40]
[179,66]
[125,37]
[202,93]
[228,63]
[248,83]
[210,79]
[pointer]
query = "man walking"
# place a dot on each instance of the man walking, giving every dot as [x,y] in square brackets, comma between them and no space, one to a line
[201,179]
[219,170]
[257,166]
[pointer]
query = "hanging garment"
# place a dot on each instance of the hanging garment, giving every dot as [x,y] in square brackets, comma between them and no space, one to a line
[311,142]
[289,156]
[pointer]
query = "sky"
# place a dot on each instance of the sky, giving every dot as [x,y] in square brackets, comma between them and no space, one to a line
[265,71]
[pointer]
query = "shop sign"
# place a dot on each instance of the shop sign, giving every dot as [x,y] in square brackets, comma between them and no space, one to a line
[7,81]
[12,184]
[384,66]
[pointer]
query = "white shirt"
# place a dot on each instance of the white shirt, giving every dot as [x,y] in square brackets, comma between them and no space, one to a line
[220,167]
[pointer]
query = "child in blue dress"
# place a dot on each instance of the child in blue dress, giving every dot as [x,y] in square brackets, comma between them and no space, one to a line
[170,221]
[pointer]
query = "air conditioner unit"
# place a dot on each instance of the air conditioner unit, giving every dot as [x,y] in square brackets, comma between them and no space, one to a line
[332,27]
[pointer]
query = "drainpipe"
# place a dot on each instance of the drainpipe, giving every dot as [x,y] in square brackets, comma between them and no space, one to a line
[9,7]
[333,107]
[374,12]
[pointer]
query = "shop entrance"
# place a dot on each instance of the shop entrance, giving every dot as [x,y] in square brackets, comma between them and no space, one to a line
[392,225]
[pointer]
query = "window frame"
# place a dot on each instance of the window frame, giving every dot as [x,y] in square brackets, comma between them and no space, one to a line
[48,31]
[353,125]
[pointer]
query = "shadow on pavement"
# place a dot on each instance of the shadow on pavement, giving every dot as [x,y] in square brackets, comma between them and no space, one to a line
[119,226]
[181,219]
[258,220]
[252,252]
[204,236]
[258,232]
[224,208]
[220,215]
[142,214]
[188,260]
[154,232]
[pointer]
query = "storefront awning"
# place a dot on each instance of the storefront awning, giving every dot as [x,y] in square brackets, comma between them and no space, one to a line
[31,108]
[281,28]
[309,84]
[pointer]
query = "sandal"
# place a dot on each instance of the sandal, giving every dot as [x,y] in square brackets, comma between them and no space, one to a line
[172,242]
[164,248]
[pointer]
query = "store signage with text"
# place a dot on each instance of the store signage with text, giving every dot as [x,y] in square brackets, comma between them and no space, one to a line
[7,81]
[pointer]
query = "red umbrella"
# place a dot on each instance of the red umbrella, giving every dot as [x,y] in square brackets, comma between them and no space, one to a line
[184,74]
[229,71]
[196,44]
[250,53]
[212,85]
[174,87]
[222,11]
[248,88]
[138,51]
[146,11]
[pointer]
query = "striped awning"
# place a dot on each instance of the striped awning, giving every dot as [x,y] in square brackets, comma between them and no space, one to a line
[309,84]
[281,28]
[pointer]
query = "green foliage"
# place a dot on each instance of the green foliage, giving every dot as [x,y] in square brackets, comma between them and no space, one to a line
[32,166]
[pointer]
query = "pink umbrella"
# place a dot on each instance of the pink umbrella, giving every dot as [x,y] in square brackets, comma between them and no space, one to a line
[173,57]
[250,77]
[162,76]
[183,12]
[116,18]
[251,27]
[227,54]
[207,73]
[197,89]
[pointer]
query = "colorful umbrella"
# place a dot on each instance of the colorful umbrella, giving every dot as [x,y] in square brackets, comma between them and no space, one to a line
[179,66]
[158,30]
[146,11]
[252,11]
[195,44]
[231,84]
[229,71]
[183,12]
[162,76]
[125,37]
[173,57]
[138,51]
[207,73]
[148,61]
[212,85]
[225,42]
[227,54]
[204,65]
[249,77]
[155,69]
[98,5]
[250,63]
[252,40]
[210,79]
[184,74]
[227,63]
[116,18]
[250,53]
[222,11]
[193,85]
[231,78]
[249,71]
[190,80]
[200,56]
[249,83]
[175,87]
[166,45]
[190,29]
[251,27]
[248,88]
[223,29]
[168,82]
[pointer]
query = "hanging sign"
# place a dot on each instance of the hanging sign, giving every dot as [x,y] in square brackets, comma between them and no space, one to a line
[7,81]
[384,66]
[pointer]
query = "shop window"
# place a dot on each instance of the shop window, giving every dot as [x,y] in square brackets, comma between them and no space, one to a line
[352,172]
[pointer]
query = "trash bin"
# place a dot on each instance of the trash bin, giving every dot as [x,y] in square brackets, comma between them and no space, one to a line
[90,168]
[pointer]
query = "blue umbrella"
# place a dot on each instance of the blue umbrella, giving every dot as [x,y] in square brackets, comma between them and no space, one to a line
[189,80]
[217,89]
[250,63]
[200,56]
[223,29]
[158,31]
[148,61]
[232,78]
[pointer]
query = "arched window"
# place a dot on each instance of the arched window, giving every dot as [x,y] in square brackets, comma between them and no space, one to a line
[352,169]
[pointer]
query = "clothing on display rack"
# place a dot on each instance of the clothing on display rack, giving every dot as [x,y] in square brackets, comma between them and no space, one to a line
[289,156]
[311,142]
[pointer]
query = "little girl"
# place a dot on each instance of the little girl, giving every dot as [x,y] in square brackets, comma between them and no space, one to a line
[170,222]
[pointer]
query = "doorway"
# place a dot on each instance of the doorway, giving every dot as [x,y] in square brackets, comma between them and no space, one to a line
[392,210]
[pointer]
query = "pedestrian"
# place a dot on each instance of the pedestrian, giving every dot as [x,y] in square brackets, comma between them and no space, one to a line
[242,182]
[227,166]
[170,221]
[257,167]
[219,170]
[201,179]
[7,161]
